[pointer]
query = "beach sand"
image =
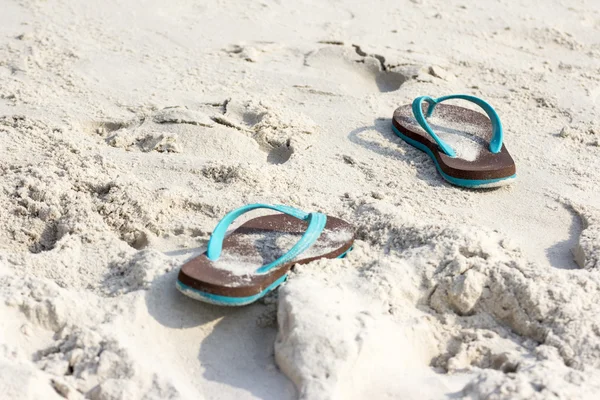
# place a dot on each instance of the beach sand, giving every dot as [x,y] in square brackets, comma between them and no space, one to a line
[128,129]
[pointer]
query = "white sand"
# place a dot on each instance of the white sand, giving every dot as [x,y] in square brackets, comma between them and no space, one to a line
[127,129]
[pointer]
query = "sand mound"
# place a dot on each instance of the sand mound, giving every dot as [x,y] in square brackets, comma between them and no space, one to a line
[481,310]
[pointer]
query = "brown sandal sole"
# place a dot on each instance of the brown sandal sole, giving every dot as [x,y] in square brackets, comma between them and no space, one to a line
[218,283]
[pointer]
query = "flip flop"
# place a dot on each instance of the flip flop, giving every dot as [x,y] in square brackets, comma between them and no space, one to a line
[250,262]
[463,157]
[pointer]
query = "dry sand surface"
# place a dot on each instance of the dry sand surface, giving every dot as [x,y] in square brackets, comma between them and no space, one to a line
[128,128]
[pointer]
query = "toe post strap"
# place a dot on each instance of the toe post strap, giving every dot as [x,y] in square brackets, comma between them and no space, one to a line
[316,225]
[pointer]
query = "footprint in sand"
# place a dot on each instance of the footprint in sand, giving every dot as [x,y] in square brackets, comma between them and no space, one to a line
[354,70]
[252,125]
[279,132]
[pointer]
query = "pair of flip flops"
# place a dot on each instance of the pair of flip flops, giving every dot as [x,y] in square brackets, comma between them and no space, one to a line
[240,268]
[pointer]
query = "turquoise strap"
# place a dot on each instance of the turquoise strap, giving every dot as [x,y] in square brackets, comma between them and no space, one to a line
[316,224]
[497,136]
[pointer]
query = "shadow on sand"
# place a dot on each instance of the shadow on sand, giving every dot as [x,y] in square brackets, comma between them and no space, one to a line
[561,255]
[397,150]
[236,352]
